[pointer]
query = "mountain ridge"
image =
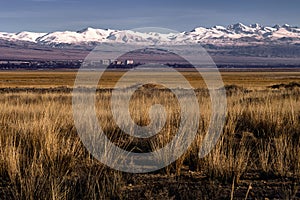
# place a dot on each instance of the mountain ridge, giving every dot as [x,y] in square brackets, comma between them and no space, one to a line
[233,35]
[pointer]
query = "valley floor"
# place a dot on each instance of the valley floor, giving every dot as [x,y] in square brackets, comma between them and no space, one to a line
[256,157]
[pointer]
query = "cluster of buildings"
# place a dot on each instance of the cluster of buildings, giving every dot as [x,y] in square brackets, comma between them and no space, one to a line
[7,62]
[20,64]
[107,62]
[68,64]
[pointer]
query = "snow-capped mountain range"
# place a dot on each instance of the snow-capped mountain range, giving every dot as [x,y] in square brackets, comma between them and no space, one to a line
[236,34]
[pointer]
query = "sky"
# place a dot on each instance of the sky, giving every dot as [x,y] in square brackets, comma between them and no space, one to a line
[184,15]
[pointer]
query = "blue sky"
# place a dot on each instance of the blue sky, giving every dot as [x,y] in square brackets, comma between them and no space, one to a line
[53,15]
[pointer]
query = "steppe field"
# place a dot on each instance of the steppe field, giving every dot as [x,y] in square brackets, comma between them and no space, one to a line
[256,157]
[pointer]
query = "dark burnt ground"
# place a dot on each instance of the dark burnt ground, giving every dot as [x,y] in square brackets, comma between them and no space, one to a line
[195,185]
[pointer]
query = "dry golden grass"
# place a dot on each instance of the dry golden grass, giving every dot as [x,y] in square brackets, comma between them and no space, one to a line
[41,156]
[48,79]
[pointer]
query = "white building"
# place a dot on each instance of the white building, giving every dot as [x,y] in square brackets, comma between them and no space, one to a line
[129,62]
[105,62]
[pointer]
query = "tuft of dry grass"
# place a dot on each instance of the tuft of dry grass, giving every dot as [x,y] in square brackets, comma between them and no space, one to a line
[41,155]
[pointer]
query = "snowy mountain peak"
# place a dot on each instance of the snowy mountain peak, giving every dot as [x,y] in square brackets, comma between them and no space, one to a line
[29,36]
[256,26]
[276,26]
[85,30]
[90,29]
[237,26]
[219,27]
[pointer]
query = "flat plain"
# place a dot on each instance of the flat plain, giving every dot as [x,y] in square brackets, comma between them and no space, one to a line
[46,79]
[256,157]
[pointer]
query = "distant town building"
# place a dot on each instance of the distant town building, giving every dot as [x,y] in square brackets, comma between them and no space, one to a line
[105,62]
[117,62]
[16,62]
[3,62]
[129,62]
[91,63]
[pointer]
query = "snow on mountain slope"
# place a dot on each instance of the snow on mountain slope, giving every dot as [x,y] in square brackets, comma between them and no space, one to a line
[82,36]
[283,32]
[129,36]
[28,36]
[22,36]
[6,36]
[66,37]
[238,34]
